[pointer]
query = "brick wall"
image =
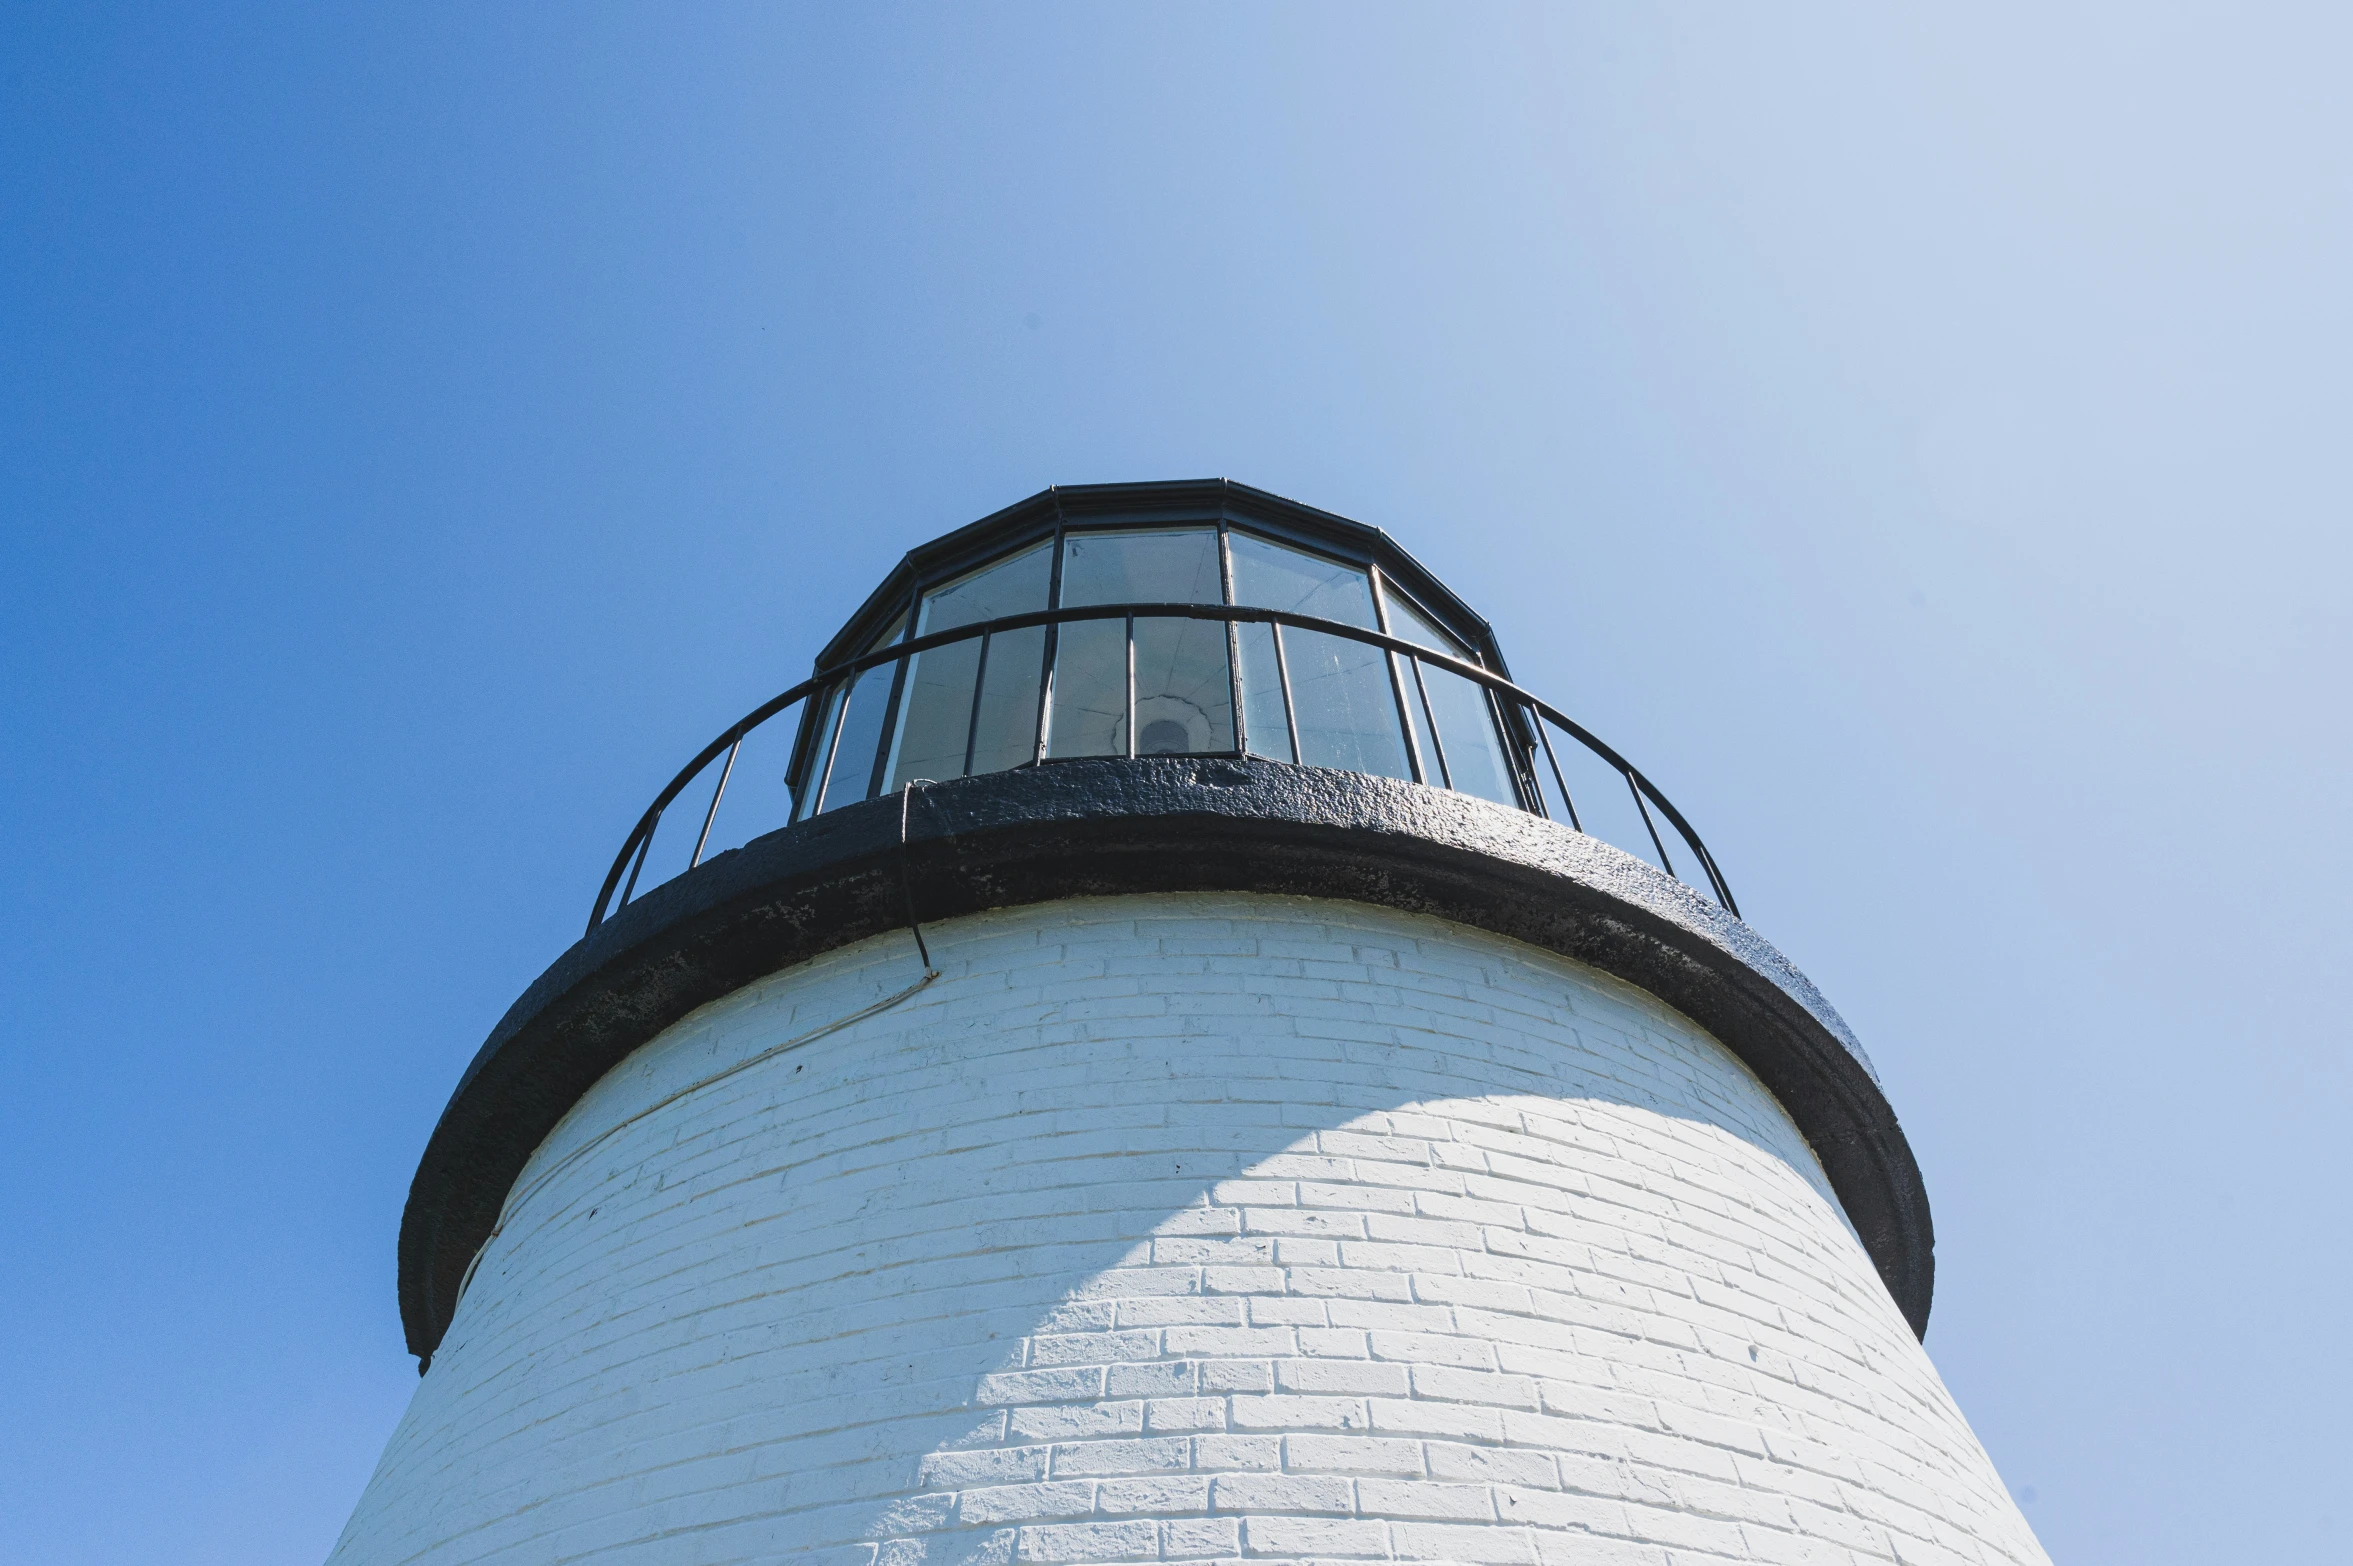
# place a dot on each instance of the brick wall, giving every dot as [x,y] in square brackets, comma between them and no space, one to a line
[1182,1227]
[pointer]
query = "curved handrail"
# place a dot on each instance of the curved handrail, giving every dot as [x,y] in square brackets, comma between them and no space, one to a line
[640,839]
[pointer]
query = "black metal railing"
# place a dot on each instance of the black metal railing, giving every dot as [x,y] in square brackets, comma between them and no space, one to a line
[1527,721]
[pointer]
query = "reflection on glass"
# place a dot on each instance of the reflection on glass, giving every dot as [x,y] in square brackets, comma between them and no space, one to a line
[1184,688]
[805,799]
[1089,716]
[974,706]
[1346,712]
[1458,708]
[1014,585]
[1268,575]
[850,776]
[937,714]
[1005,731]
[1417,723]
[1263,720]
[936,707]
[1408,623]
[1466,728]
[1156,566]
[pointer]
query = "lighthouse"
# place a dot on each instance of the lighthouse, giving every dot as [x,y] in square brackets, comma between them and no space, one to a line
[1162,1050]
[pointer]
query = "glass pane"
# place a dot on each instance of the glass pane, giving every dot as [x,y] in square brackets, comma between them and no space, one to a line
[1468,755]
[1015,585]
[1090,690]
[851,774]
[1262,694]
[805,800]
[936,708]
[1007,735]
[1408,623]
[1184,688]
[935,714]
[861,737]
[1176,566]
[1417,724]
[1347,715]
[1268,575]
[1475,761]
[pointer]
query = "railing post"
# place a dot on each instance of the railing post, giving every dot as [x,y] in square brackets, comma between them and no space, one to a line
[712,814]
[832,739]
[980,681]
[644,846]
[1421,689]
[1558,779]
[1290,712]
[1656,842]
[1233,634]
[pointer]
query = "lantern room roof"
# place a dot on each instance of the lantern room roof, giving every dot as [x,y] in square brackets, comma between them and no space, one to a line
[1163,503]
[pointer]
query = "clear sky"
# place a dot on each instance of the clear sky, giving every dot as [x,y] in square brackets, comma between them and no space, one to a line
[1917,436]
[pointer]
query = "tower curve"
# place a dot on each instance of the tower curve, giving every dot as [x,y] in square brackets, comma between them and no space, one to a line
[1188,1079]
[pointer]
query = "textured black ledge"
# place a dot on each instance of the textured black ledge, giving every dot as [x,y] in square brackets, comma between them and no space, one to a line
[1158,825]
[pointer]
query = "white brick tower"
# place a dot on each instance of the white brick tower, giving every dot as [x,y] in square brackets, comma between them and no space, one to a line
[1191,1081]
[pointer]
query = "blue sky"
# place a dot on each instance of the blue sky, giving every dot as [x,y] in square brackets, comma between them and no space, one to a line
[1917,439]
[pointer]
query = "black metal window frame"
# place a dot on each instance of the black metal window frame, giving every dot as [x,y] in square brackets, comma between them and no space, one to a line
[1225,509]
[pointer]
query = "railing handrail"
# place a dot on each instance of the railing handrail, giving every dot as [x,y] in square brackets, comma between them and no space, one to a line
[640,836]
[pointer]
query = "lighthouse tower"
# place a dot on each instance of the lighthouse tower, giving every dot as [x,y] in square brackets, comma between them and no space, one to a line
[1200,1064]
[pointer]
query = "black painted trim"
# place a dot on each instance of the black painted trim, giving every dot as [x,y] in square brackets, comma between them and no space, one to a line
[1153,825]
[1160,503]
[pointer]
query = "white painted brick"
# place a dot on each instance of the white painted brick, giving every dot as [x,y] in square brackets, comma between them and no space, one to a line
[1392,1316]
[1291,1493]
[1492,1465]
[992,1466]
[1021,1503]
[1192,1537]
[1431,1351]
[1156,1379]
[1040,1386]
[1092,1349]
[1168,1415]
[1242,1280]
[1170,1496]
[1463,1542]
[1077,1422]
[1119,1541]
[1183,1228]
[1154,1454]
[1237,1454]
[1280,1412]
[1450,1384]
[1314,1537]
[1457,1421]
[1182,1311]
[1353,1455]
[1230,1342]
[1335,1283]
[1563,1510]
[1341,1376]
[1265,1311]
[1238,1376]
